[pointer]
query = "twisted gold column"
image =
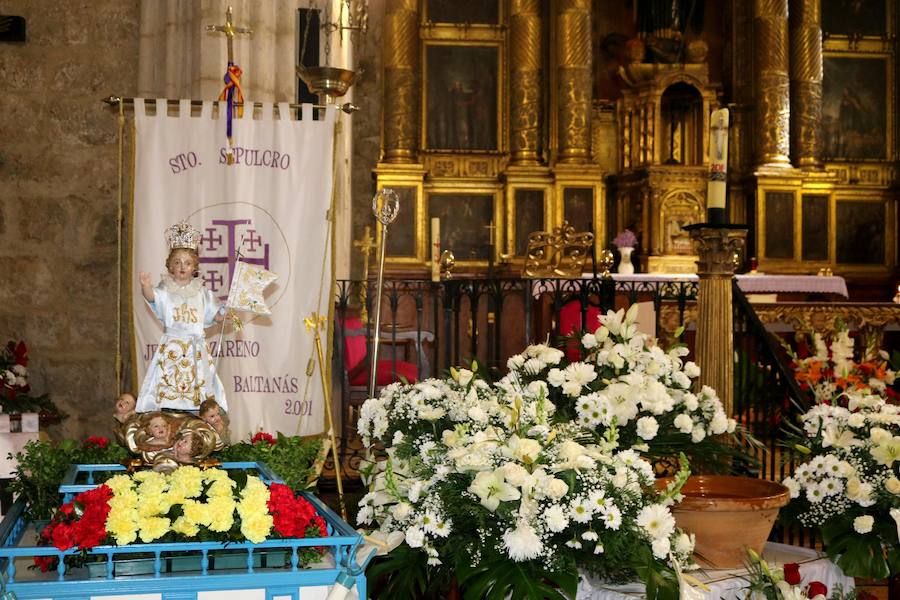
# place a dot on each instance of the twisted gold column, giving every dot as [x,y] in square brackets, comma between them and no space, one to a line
[806,83]
[401,119]
[573,44]
[773,108]
[715,321]
[525,81]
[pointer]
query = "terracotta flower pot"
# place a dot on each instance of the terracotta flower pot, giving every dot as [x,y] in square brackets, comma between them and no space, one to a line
[728,515]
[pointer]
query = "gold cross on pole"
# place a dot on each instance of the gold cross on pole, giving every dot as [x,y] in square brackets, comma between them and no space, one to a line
[366,244]
[314,322]
[229,30]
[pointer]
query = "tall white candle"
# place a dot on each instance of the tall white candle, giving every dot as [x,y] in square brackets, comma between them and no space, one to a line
[718,159]
[435,249]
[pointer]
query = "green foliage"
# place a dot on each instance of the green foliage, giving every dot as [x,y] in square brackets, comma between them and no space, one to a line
[661,581]
[42,466]
[404,573]
[862,555]
[498,578]
[293,458]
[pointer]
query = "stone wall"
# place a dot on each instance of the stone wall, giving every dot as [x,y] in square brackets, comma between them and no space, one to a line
[58,197]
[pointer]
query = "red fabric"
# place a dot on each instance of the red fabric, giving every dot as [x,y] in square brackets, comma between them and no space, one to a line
[570,321]
[385,373]
[355,352]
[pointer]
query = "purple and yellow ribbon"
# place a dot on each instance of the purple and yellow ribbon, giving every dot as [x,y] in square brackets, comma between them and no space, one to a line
[232,93]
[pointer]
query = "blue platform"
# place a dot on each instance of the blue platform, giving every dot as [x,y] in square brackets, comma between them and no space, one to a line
[180,571]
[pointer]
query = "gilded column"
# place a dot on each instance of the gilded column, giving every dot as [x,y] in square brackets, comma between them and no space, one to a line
[806,83]
[525,81]
[573,45]
[773,108]
[715,320]
[401,117]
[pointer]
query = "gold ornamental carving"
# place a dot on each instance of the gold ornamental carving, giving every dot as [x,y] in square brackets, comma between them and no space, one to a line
[525,81]
[574,80]
[806,82]
[717,247]
[400,81]
[825,318]
[770,26]
[558,253]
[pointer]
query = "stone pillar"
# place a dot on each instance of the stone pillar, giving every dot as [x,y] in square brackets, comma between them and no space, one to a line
[525,81]
[772,93]
[573,67]
[715,321]
[401,92]
[806,83]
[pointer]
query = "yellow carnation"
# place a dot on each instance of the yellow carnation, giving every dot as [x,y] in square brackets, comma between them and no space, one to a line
[122,527]
[120,484]
[186,482]
[220,512]
[153,528]
[185,527]
[256,527]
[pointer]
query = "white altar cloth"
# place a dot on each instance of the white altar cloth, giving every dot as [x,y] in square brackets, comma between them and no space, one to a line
[760,283]
[728,584]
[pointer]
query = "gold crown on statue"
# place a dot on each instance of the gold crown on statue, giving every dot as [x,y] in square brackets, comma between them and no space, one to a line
[183,235]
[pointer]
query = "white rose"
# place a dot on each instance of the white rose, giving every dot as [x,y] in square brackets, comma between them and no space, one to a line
[589,340]
[524,449]
[450,437]
[557,488]
[515,474]
[684,543]
[465,376]
[661,548]
[863,524]
[892,484]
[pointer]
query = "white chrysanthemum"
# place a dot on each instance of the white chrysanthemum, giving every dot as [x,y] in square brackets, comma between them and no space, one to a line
[522,543]
[581,510]
[657,521]
[684,423]
[555,518]
[590,536]
[611,517]
[647,428]
[415,537]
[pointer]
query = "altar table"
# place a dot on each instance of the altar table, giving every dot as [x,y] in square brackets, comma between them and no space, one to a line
[759,283]
[729,584]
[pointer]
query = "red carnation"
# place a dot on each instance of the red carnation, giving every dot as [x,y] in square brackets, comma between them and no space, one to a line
[262,436]
[792,573]
[96,441]
[816,588]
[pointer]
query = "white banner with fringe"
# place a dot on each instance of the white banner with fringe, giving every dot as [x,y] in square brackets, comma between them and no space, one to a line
[272,204]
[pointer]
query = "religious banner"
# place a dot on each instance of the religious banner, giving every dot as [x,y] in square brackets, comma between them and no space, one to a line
[271,206]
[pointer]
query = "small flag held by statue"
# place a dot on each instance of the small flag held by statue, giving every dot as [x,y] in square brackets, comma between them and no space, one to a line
[246,293]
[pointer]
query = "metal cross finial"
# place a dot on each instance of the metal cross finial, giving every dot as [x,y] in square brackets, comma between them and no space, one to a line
[229,30]
[314,321]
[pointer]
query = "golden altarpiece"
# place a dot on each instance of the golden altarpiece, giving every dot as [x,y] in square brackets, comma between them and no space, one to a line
[493,124]
[473,134]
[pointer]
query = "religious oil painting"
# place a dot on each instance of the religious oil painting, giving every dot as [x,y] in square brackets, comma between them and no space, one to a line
[854,17]
[401,242]
[779,225]
[483,12]
[855,107]
[578,208]
[461,102]
[529,217]
[860,235]
[465,223]
[815,227]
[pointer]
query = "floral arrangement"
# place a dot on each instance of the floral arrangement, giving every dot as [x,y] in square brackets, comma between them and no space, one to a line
[787,583]
[15,396]
[188,504]
[625,239]
[829,370]
[630,392]
[526,480]
[849,486]
[480,481]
